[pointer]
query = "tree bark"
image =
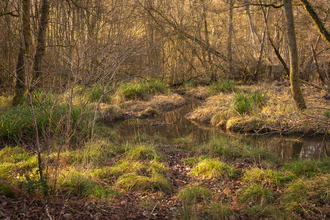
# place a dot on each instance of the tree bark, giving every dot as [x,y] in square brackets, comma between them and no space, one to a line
[230,38]
[293,52]
[41,45]
[318,23]
[20,87]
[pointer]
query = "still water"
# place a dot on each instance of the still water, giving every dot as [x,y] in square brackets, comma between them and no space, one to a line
[172,125]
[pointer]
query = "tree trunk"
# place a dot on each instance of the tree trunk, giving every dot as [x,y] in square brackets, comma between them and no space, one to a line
[20,87]
[293,52]
[230,38]
[318,23]
[41,45]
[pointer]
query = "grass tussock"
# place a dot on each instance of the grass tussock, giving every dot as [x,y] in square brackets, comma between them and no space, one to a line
[223,86]
[51,116]
[213,168]
[308,196]
[257,194]
[232,148]
[200,92]
[194,194]
[308,168]
[268,177]
[139,90]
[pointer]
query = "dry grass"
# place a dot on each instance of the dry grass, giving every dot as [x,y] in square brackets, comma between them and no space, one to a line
[134,108]
[279,115]
[199,93]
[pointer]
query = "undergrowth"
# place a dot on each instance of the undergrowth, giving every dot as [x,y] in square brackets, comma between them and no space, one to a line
[223,86]
[246,103]
[138,90]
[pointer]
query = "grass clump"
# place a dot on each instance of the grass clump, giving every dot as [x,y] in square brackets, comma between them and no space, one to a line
[78,184]
[141,176]
[133,181]
[230,148]
[95,94]
[246,103]
[143,152]
[308,168]
[267,176]
[16,124]
[13,155]
[224,86]
[226,147]
[137,90]
[190,84]
[194,193]
[213,168]
[128,167]
[96,153]
[256,194]
[14,161]
[307,196]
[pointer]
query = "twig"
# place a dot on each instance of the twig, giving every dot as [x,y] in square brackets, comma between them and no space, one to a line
[153,210]
[49,216]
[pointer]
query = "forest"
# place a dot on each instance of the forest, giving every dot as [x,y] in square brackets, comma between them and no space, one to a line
[164,109]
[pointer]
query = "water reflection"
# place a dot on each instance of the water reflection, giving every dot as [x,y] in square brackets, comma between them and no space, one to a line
[171,125]
[174,125]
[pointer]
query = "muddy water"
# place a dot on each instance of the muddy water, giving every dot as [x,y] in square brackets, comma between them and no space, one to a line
[174,125]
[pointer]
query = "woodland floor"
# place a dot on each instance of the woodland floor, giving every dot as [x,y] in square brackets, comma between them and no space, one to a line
[287,190]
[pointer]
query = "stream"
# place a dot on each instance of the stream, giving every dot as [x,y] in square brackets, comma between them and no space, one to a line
[172,125]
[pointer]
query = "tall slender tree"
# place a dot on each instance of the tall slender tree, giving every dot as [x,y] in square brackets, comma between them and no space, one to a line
[20,87]
[41,45]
